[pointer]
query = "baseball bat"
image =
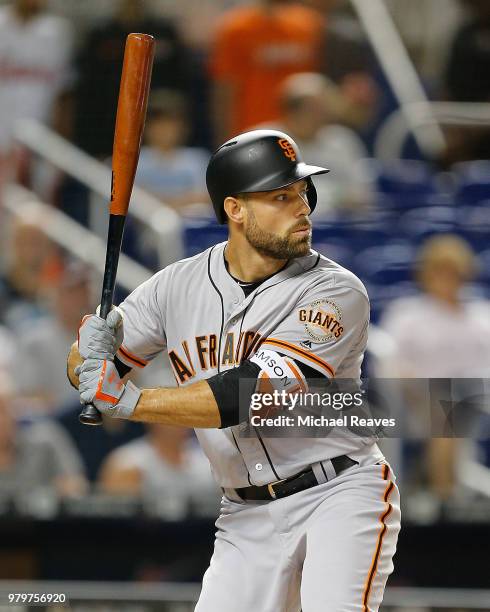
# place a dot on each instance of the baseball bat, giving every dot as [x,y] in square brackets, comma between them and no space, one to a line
[130,121]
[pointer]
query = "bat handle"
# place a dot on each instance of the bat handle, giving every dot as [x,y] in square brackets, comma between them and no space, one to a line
[90,415]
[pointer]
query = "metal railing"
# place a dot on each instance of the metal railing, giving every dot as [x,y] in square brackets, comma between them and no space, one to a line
[401,73]
[394,131]
[96,176]
[70,235]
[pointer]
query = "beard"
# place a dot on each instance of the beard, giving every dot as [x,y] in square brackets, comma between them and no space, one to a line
[277,246]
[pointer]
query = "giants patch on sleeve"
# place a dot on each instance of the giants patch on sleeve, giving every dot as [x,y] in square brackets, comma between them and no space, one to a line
[322,320]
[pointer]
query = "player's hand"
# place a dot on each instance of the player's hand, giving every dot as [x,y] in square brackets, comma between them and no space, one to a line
[101,386]
[100,338]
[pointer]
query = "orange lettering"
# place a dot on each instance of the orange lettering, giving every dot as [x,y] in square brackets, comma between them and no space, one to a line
[212,351]
[229,349]
[202,350]
[188,355]
[287,147]
[180,369]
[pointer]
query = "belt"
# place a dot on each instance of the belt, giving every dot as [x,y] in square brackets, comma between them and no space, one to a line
[294,484]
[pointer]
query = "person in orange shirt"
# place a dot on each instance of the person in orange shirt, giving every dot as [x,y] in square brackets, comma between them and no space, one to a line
[255,48]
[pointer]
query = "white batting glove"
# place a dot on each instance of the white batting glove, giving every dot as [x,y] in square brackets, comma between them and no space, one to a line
[100,338]
[101,386]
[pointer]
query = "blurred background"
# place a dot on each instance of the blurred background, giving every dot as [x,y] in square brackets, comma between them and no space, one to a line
[394,97]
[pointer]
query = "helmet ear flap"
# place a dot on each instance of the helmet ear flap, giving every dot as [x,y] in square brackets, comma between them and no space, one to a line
[312,194]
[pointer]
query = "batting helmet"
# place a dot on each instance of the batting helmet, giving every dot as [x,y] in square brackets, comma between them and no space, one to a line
[260,160]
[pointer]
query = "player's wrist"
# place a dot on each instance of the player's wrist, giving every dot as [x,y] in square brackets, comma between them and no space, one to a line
[101,385]
[128,401]
[74,360]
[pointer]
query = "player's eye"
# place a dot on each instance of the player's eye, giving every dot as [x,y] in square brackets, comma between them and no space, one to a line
[282,197]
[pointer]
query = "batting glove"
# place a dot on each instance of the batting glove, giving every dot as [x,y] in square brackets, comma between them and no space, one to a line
[101,386]
[100,338]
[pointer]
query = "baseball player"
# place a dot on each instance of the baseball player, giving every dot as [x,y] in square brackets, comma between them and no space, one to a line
[305,523]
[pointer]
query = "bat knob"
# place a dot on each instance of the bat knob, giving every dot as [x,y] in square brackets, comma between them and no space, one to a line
[90,416]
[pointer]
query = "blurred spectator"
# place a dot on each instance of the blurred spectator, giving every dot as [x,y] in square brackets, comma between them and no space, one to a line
[35,455]
[173,172]
[95,443]
[35,56]
[446,264]
[348,60]
[439,335]
[468,80]
[100,66]
[43,347]
[196,18]
[7,352]
[311,105]
[167,168]
[32,266]
[346,47]
[255,48]
[165,467]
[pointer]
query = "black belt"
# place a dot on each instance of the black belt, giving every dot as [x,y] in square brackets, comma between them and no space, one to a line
[294,484]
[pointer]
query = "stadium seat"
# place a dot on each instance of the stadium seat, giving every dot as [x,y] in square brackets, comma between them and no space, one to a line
[358,234]
[419,223]
[472,182]
[402,178]
[484,268]
[201,233]
[387,264]
[474,225]
[338,250]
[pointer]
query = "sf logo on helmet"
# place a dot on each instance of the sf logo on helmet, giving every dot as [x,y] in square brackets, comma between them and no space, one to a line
[287,147]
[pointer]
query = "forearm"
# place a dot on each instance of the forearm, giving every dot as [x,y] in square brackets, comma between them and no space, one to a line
[191,406]
[74,360]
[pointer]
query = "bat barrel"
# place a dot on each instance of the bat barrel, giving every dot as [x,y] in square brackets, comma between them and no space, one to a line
[130,118]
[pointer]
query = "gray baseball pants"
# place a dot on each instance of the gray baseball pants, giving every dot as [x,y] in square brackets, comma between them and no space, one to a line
[326,549]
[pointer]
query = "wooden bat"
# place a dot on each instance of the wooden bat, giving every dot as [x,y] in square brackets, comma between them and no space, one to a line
[130,121]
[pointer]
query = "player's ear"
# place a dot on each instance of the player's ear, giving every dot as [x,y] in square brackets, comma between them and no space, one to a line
[234,208]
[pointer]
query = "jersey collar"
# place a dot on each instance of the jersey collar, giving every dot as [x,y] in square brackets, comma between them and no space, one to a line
[228,287]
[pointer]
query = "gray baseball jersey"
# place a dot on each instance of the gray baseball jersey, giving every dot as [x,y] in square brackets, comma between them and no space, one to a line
[314,311]
[329,547]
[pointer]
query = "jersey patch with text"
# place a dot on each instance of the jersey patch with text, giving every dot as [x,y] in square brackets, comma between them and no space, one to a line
[322,320]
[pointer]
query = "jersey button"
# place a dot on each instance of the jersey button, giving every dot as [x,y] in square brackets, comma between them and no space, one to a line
[236,300]
[258,466]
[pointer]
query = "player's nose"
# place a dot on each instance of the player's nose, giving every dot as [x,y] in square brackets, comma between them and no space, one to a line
[303,208]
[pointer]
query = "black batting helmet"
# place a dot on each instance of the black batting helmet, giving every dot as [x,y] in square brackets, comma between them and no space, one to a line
[260,160]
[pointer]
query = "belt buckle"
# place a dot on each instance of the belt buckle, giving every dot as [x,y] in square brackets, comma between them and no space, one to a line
[270,487]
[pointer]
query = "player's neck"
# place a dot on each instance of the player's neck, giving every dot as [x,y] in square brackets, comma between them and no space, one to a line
[247,264]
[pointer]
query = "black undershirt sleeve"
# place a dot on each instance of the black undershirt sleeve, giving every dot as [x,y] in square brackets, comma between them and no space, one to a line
[232,386]
[122,368]
[236,386]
